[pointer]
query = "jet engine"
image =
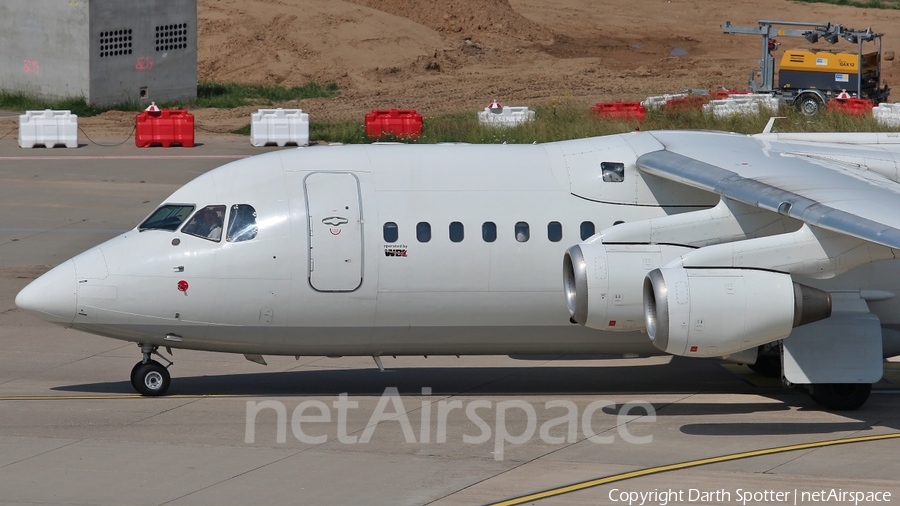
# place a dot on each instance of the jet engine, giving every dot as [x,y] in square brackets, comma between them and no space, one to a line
[714,312]
[604,282]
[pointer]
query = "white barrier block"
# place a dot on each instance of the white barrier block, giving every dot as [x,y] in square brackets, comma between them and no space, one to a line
[887,114]
[765,101]
[507,116]
[742,104]
[48,128]
[280,127]
[660,100]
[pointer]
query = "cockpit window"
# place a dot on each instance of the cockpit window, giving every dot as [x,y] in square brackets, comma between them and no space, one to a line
[207,223]
[242,223]
[613,172]
[167,217]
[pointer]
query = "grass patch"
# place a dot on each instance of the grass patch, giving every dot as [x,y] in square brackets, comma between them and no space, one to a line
[78,105]
[231,95]
[865,4]
[561,119]
[209,94]
[348,132]
[244,130]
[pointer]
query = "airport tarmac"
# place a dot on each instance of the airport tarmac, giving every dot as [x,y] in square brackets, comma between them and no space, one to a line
[468,430]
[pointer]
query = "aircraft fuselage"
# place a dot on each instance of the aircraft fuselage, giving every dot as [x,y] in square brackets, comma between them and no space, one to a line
[374,250]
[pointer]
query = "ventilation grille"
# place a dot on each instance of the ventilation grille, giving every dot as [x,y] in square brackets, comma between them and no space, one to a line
[169,37]
[115,43]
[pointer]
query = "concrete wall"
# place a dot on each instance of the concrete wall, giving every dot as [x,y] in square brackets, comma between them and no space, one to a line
[157,45]
[44,47]
[108,51]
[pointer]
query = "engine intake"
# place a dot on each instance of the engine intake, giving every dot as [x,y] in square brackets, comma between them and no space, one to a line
[603,282]
[714,312]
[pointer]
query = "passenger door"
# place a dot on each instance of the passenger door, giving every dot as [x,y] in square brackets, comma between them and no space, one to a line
[335,231]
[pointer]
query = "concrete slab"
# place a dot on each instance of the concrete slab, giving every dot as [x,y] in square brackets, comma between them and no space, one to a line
[99,472]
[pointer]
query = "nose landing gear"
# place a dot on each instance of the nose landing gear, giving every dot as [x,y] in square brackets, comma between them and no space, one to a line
[148,376]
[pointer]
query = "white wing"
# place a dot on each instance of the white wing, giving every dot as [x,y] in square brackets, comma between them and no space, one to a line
[814,189]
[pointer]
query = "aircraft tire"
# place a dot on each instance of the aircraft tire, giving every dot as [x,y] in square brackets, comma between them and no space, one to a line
[151,379]
[767,365]
[841,396]
[134,372]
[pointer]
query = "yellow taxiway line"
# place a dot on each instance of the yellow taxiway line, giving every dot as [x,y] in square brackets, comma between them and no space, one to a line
[684,465]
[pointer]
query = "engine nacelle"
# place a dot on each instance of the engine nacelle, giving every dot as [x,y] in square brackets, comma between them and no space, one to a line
[604,282]
[715,312]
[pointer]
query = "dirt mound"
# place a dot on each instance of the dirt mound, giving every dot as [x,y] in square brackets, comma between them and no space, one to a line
[466,19]
[293,42]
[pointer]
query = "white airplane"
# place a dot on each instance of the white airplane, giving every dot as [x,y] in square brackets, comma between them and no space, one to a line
[699,244]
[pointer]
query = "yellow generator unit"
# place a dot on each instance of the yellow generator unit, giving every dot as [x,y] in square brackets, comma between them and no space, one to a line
[828,71]
[809,78]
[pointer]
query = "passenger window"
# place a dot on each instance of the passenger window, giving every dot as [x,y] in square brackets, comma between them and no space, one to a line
[554,231]
[167,217]
[456,231]
[587,229]
[207,223]
[613,172]
[390,232]
[242,223]
[489,231]
[423,231]
[522,232]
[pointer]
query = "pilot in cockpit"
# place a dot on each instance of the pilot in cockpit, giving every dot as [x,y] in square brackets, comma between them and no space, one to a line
[214,221]
[207,223]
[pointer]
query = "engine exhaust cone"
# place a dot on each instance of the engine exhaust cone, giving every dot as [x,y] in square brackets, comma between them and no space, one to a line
[810,304]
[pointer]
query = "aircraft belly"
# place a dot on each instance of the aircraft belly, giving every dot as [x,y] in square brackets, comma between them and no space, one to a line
[439,340]
[506,340]
[149,330]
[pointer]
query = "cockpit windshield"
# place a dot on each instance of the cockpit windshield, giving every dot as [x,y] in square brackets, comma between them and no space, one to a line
[167,217]
[242,223]
[207,223]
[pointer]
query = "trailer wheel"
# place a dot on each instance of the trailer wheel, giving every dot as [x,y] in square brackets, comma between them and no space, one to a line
[809,105]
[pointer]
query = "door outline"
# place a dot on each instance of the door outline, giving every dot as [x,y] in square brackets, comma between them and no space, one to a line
[309,229]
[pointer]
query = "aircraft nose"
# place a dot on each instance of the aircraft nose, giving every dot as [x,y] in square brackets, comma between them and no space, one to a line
[51,297]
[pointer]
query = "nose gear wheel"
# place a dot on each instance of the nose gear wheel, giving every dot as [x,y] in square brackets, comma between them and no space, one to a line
[148,376]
